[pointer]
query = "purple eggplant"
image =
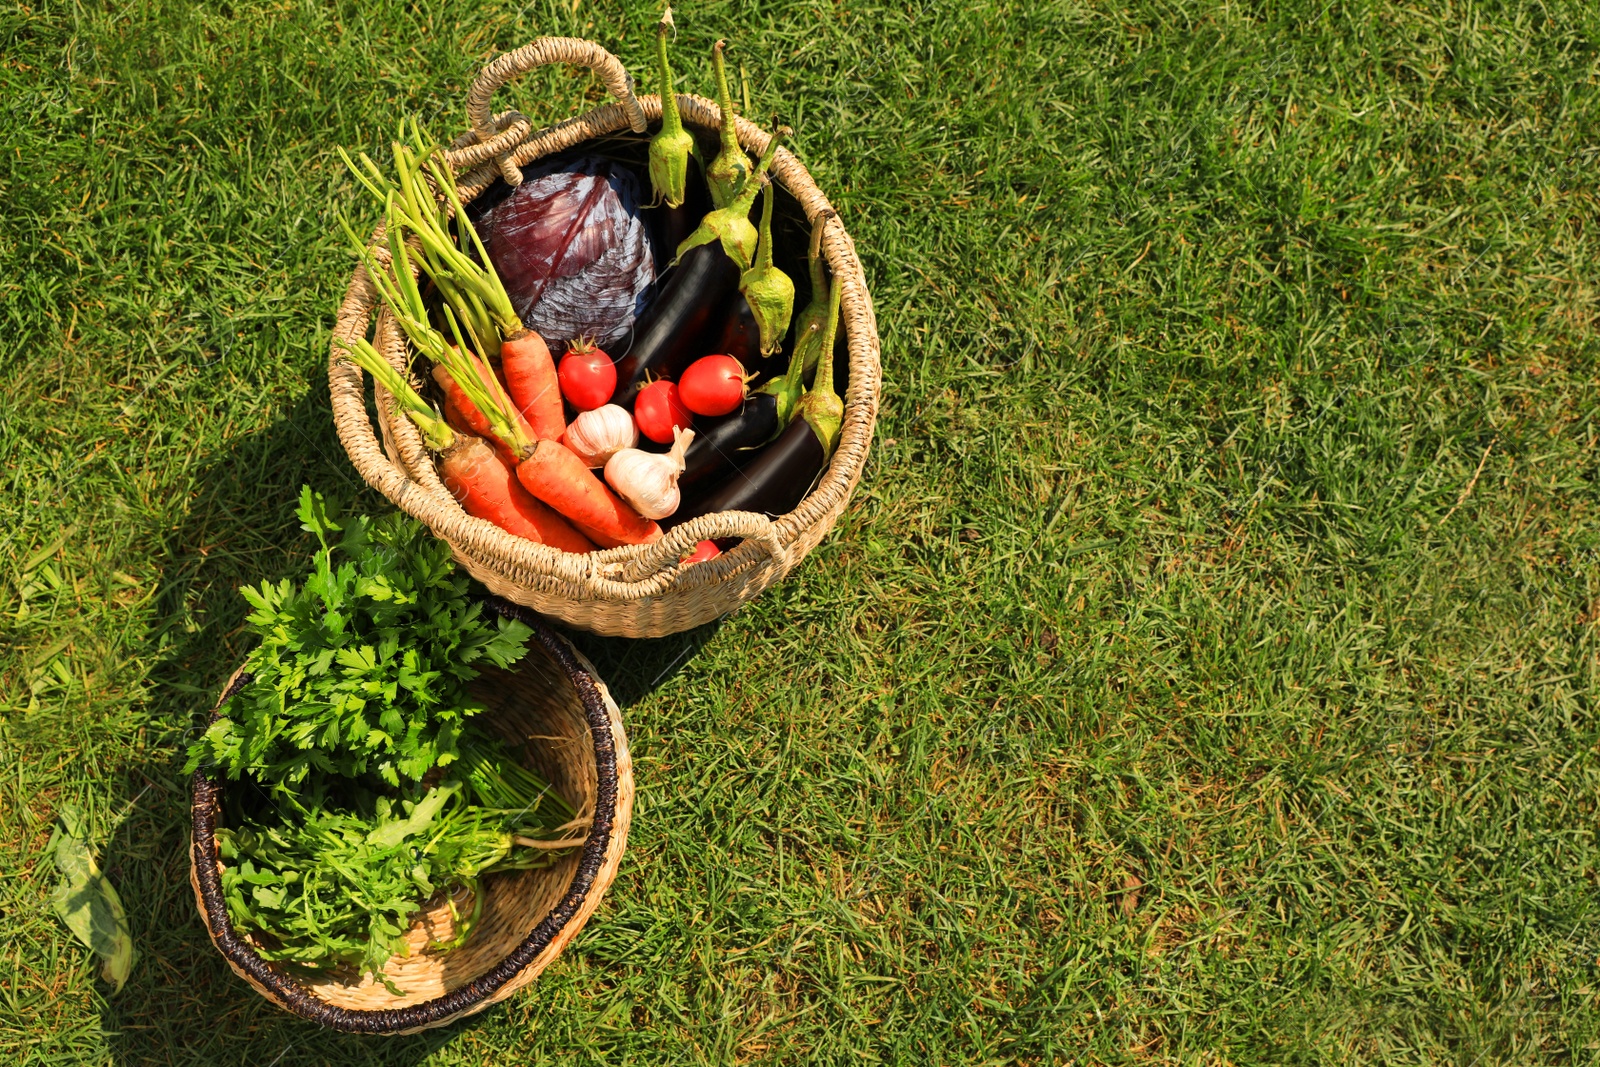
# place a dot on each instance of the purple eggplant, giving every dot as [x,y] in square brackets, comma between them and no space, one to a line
[671,148]
[675,329]
[723,442]
[778,477]
[741,339]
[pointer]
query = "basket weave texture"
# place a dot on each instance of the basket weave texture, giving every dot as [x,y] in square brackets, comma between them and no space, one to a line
[555,709]
[636,591]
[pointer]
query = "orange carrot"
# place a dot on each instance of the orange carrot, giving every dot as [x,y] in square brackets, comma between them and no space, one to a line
[531,380]
[556,476]
[479,480]
[494,385]
[473,420]
[459,422]
[485,488]
[596,536]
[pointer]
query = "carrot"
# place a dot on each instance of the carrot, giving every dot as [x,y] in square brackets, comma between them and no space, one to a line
[454,416]
[556,476]
[494,385]
[456,401]
[531,380]
[481,482]
[485,488]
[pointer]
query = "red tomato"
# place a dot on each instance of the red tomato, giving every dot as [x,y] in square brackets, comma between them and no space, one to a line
[659,411]
[713,385]
[588,377]
[703,551]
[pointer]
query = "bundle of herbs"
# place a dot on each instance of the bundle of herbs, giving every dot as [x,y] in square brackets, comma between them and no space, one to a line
[371,791]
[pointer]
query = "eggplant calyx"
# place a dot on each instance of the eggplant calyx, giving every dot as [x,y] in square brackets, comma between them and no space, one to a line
[731,225]
[728,172]
[825,413]
[822,407]
[813,319]
[768,291]
[787,390]
[671,148]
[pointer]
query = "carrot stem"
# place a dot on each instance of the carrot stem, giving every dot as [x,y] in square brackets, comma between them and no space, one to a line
[436,433]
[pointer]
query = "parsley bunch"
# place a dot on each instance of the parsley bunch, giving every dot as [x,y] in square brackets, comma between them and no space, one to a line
[363,669]
[338,882]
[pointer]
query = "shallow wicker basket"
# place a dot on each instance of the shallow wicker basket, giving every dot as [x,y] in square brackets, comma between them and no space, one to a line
[632,591]
[558,711]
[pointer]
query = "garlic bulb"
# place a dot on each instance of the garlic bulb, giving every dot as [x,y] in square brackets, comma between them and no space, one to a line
[649,480]
[597,435]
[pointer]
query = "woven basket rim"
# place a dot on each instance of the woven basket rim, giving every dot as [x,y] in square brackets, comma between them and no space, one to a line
[622,574]
[633,590]
[205,803]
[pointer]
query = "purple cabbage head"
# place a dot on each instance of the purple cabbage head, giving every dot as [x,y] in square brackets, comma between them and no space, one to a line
[572,250]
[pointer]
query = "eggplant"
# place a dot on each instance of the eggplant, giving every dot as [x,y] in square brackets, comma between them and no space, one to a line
[778,477]
[741,338]
[671,148]
[727,173]
[721,443]
[773,483]
[672,333]
[768,291]
[813,320]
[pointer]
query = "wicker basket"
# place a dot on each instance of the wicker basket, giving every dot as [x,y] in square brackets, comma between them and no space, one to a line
[558,710]
[631,591]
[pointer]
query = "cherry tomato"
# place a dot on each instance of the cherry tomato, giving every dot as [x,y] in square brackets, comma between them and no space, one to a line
[703,551]
[658,411]
[713,385]
[587,376]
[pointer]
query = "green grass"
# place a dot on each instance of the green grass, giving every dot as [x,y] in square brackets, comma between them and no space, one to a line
[1205,672]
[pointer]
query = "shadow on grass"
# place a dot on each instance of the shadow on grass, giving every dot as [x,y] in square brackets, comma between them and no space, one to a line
[183,1005]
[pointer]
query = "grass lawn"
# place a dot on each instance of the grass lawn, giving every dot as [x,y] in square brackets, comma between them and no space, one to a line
[1206,671]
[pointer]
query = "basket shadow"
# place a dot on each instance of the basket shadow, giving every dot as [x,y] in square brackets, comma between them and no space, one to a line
[635,667]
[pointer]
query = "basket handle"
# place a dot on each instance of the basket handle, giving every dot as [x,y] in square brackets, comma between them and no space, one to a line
[503,135]
[680,540]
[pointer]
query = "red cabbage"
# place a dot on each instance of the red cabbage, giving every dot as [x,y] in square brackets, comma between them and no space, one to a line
[572,250]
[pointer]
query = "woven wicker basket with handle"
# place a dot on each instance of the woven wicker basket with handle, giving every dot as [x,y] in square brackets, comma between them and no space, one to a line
[556,711]
[632,591]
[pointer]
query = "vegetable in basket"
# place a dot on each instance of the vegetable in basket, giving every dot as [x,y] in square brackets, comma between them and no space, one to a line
[361,670]
[673,331]
[779,476]
[741,337]
[588,376]
[723,444]
[649,480]
[660,412]
[713,385]
[728,172]
[813,319]
[595,436]
[355,699]
[767,290]
[473,290]
[480,481]
[337,877]
[731,225]
[572,249]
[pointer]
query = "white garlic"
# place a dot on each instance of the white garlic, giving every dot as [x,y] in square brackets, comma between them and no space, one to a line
[649,480]
[597,435]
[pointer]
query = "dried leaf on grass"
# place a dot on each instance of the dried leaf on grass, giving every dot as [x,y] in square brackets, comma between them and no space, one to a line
[86,901]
